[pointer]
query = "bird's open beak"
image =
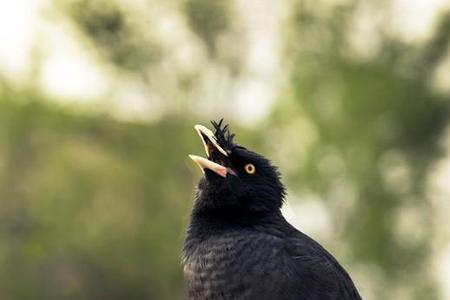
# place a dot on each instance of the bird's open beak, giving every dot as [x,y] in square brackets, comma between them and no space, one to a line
[209,140]
[210,143]
[204,163]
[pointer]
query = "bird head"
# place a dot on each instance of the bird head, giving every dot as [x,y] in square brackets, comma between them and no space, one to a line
[236,181]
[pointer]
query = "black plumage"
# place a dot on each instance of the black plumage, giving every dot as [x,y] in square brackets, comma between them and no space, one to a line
[238,244]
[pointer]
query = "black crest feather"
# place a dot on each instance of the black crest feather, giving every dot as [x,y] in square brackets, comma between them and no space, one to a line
[222,133]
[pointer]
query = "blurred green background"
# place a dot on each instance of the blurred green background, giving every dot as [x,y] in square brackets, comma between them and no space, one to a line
[98,99]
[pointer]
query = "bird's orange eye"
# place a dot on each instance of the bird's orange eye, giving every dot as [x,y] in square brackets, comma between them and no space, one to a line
[250,168]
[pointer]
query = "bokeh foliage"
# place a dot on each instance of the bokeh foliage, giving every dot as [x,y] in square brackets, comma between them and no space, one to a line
[95,208]
[377,125]
[92,208]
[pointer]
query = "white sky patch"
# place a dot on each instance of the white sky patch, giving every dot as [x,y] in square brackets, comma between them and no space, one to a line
[310,215]
[68,71]
[443,268]
[366,22]
[253,99]
[256,91]
[18,21]
[414,19]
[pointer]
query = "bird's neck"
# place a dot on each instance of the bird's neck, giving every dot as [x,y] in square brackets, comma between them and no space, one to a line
[209,223]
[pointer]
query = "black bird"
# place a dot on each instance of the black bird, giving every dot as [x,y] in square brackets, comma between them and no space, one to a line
[238,244]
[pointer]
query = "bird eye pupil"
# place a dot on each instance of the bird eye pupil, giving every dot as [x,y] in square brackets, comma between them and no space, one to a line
[250,168]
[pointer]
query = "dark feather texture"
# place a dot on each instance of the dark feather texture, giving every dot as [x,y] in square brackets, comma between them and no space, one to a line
[222,134]
[239,246]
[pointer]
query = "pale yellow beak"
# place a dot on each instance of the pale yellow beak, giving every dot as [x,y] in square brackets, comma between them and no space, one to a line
[205,132]
[204,163]
[206,136]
